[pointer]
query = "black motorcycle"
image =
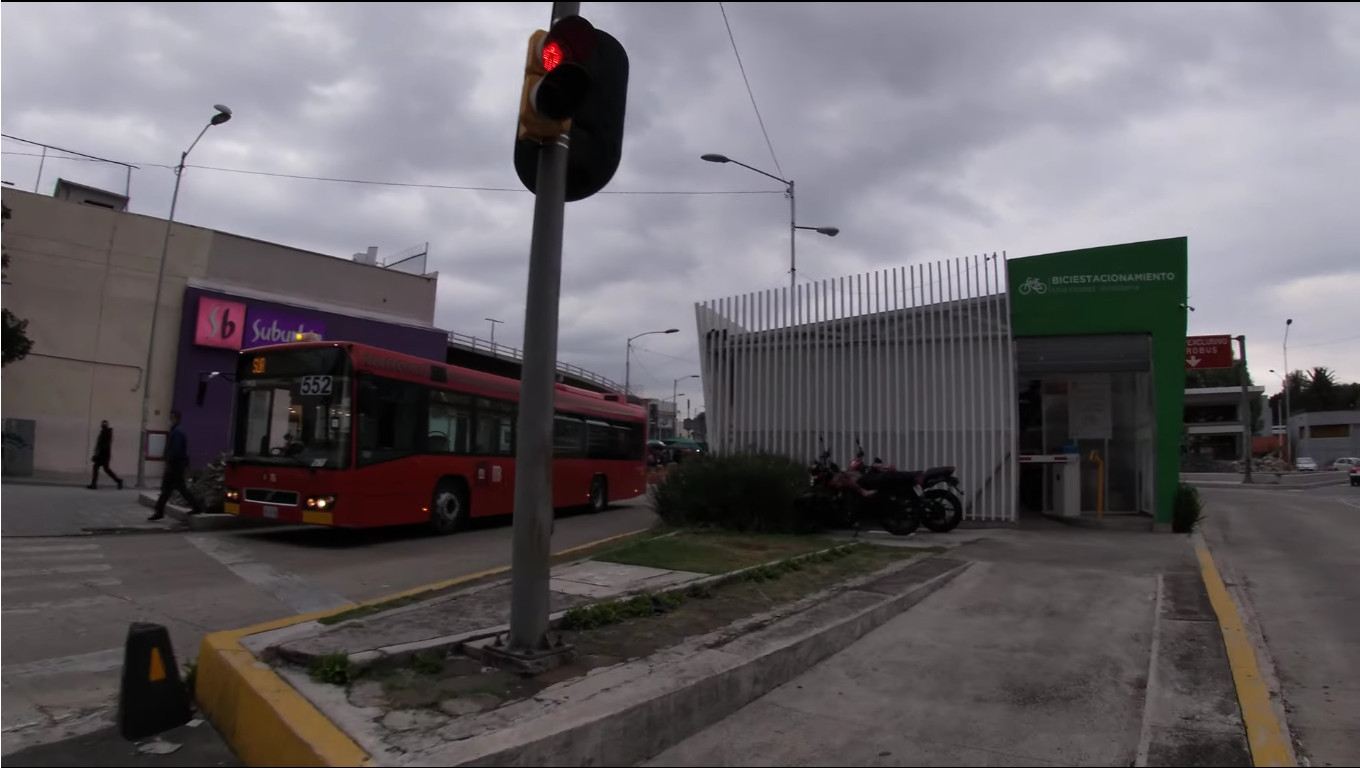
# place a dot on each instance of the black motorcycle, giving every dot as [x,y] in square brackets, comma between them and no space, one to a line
[932,491]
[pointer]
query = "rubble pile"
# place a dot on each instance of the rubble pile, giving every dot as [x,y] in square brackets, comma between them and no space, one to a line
[1270,463]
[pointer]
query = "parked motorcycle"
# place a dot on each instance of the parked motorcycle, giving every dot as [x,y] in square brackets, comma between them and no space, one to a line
[942,506]
[844,501]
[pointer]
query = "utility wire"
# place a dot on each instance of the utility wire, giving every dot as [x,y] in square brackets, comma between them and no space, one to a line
[411,184]
[1311,344]
[683,359]
[749,92]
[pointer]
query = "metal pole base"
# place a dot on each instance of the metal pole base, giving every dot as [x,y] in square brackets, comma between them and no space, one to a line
[496,652]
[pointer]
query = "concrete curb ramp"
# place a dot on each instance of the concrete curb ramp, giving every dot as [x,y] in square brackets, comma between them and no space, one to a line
[626,724]
[264,719]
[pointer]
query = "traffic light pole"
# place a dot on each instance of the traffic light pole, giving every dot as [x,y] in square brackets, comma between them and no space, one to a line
[534,451]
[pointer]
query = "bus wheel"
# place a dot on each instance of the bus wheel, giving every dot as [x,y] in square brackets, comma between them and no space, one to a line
[449,507]
[599,495]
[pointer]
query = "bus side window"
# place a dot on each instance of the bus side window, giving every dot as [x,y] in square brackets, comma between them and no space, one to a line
[450,422]
[393,416]
[569,437]
[495,428]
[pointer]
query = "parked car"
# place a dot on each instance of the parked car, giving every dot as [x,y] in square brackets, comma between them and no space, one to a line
[682,447]
[1345,463]
[1305,464]
[1355,475]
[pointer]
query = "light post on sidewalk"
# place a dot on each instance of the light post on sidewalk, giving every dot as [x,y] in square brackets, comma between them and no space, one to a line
[675,403]
[494,322]
[628,361]
[222,116]
[1288,377]
[1242,376]
[1280,435]
[793,214]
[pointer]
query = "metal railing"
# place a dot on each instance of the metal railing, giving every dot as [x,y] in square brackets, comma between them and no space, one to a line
[505,352]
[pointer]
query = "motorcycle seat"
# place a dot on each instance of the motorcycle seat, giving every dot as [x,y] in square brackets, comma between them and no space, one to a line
[933,472]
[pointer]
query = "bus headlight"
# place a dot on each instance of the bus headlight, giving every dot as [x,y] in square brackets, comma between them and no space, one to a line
[232,494]
[320,502]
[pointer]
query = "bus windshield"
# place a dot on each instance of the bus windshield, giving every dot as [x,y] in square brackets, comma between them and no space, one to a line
[293,408]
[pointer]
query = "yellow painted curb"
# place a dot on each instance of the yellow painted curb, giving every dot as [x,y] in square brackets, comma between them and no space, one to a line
[1266,735]
[263,718]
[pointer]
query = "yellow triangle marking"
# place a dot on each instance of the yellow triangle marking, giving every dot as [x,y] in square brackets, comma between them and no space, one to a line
[157,673]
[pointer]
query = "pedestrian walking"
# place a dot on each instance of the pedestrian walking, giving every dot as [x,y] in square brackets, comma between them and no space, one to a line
[103,452]
[176,465]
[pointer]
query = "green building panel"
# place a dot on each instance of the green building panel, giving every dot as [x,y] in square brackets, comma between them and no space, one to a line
[1134,288]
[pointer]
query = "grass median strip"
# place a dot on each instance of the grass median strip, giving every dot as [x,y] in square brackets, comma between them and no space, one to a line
[610,632]
[712,551]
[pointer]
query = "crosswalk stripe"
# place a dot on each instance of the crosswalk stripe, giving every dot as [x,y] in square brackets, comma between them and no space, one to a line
[55,556]
[99,661]
[61,605]
[56,569]
[25,549]
[63,586]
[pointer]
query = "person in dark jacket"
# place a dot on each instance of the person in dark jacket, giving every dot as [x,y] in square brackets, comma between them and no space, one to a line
[103,451]
[176,464]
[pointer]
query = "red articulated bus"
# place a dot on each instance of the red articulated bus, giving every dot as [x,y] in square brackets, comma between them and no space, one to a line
[347,435]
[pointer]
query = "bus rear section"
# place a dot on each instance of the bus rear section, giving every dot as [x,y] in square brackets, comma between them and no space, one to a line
[360,437]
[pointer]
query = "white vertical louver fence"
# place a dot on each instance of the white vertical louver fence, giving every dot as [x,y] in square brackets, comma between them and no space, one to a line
[916,363]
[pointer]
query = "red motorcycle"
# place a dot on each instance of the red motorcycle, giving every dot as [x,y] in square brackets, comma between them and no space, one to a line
[844,501]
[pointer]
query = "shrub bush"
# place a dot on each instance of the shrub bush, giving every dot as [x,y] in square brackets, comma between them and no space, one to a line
[755,492]
[1187,510]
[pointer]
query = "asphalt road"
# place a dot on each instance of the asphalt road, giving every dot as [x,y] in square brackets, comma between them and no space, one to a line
[1297,554]
[68,599]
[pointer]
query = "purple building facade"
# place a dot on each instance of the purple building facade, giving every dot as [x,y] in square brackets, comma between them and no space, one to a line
[215,326]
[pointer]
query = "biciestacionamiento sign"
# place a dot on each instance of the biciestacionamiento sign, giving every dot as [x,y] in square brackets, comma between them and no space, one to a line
[1094,282]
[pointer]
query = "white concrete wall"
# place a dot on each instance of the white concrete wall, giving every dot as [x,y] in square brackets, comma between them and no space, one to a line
[85,279]
[916,363]
[278,269]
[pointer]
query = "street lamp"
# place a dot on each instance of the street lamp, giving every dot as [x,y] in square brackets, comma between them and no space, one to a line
[1289,438]
[675,403]
[793,213]
[493,322]
[222,115]
[628,360]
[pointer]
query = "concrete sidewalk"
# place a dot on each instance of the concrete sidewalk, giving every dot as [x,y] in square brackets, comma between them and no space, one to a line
[66,510]
[1041,653]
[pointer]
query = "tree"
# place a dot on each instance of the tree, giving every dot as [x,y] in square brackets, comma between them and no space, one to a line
[1316,390]
[16,342]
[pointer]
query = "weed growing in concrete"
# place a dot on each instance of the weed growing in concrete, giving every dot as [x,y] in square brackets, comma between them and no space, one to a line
[190,677]
[333,668]
[429,663]
[1187,510]
[614,611]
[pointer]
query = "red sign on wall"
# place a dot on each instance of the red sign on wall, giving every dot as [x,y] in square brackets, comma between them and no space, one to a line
[1203,352]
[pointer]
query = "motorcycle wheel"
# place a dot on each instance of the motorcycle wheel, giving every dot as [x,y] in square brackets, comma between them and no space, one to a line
[899,519]
[944,511]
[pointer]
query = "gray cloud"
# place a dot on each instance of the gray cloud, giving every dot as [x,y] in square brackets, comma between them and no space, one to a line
[923,131]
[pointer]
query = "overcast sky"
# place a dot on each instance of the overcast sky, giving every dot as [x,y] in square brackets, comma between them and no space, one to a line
[922,131]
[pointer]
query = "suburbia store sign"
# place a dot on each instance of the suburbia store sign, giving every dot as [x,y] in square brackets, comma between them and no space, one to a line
[236,325]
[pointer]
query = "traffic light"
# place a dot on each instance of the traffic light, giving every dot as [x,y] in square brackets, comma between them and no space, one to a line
[575,83]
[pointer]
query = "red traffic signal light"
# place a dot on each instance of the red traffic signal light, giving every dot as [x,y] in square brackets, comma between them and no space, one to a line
[576,83]
[556,80]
